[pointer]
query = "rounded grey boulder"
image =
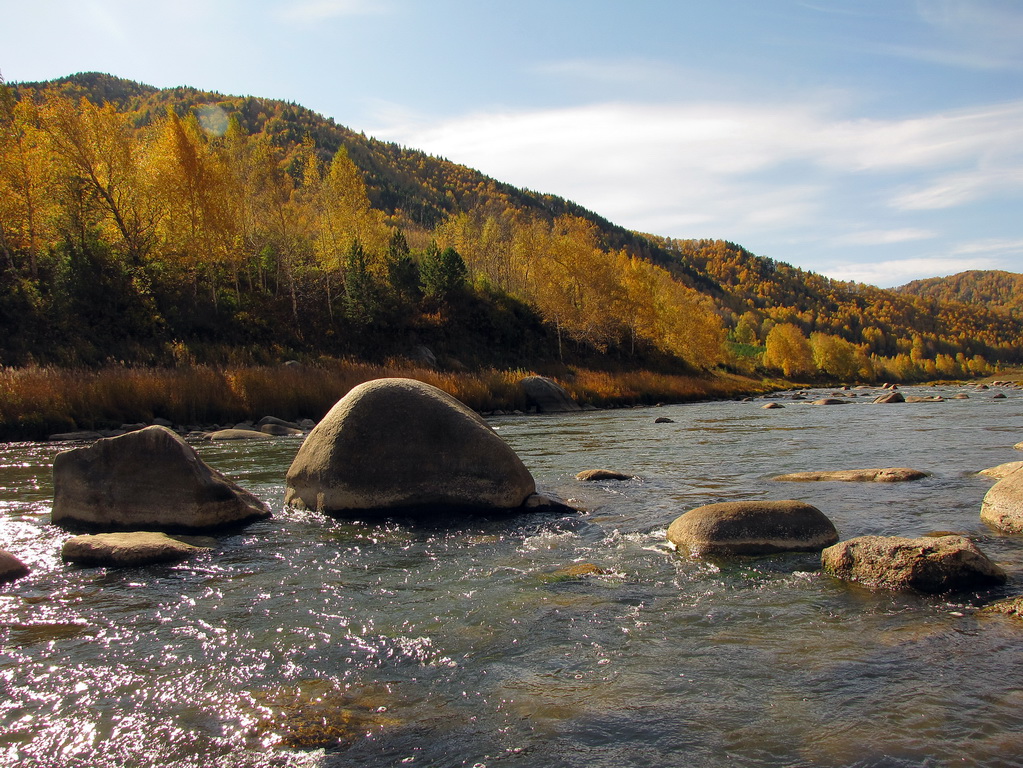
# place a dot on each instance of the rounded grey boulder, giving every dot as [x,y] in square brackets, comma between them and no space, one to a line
[939,564]
[1002,507]
[752,528]
[547,395]
[400,444]
[131,549]
[146,480]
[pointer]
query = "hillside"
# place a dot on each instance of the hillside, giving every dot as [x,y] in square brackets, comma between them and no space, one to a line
[992,289]
[177,225]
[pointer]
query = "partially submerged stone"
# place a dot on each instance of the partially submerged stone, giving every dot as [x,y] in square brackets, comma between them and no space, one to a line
[1002,507]
[771,406]
[830,401]
[235,433]
[403,445]
[890,397]
[11,567]
[1010,606]
[752,528]
[132,548]
[593,475]
[939,564]
[663,420]
[146,480]
[883,475]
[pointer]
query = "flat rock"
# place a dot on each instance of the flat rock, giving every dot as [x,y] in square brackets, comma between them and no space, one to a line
[1018,446]
[1010,606]
[663,420]
[593,475]
[923,399]
[238,434]
[547,395]
[830,401]
[401,444]
[941,564]
[1002,507]
[81,436]
[771,406]
[132,549]
[11,567]
[752,528]
[1002,470]
[885,475]
[146,480]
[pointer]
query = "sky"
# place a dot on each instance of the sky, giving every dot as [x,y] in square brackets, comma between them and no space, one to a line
[879,141]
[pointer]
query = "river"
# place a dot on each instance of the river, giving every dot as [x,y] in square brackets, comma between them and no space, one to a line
[309,641]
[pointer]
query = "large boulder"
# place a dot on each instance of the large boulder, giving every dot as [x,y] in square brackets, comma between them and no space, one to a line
[547,395]
[752,528]
[938,564]
[884,475]
[400,444]
[11,568]
[1002,507]
[131,549]
[146,480]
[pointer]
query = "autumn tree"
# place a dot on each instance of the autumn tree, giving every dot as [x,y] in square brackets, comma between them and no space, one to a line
[788,350]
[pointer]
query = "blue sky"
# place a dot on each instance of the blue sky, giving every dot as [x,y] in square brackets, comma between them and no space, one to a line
[870,140]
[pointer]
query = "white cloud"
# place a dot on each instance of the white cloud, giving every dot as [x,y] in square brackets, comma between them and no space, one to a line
[734,167]
[884,236]
[313,11]
[901,271]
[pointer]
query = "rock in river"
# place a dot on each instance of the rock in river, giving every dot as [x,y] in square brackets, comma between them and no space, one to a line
[593,475]
[547,395]
[146,480]
[891,397]
[1002,470]
[752,528]
[885,475]
[940,564]
[132,549]
[400,444]
[11,568]
[1003,504]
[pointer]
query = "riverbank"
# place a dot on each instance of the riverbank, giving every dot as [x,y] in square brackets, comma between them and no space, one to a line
[38,401]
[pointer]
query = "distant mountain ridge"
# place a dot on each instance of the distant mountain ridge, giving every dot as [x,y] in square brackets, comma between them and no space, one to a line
[993,289]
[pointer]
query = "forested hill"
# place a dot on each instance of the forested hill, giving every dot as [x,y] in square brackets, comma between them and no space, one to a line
[173,225]
[992,289]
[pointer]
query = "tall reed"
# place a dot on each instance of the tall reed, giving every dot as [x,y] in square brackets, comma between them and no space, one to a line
[38,401]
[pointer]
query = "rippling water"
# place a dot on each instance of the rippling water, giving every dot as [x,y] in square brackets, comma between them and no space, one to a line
[310,641]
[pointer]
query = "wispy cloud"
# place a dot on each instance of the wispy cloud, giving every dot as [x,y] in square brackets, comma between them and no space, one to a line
[890,273]
[884,236]
[656,167]
[313,11]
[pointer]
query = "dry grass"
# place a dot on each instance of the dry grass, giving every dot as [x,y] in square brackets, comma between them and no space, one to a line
[35,402]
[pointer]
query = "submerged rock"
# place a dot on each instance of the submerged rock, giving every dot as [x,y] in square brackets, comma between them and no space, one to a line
[885,475]
[400,444]
[752,528]
[132,549]
[830,401]
[547,395]
[146,480]
[1002,507]
[939,564]
[593,475]
[1010,606]
[663,420]
[771,406]
[11,567]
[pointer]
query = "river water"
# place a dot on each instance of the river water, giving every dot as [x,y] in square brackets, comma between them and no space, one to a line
[309,641]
